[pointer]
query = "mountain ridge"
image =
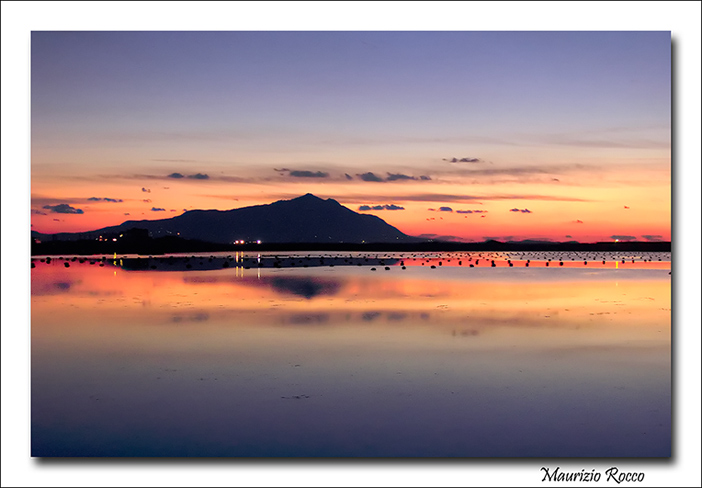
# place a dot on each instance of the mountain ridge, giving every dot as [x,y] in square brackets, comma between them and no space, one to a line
[306,218]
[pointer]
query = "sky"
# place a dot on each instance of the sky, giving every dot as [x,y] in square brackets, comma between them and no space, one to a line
[457,135]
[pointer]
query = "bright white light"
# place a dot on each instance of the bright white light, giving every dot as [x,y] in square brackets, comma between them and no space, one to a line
[258,241]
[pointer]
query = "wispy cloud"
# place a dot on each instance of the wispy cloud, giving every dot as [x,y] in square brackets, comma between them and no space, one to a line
[623,238]
[157,209]
[471,211]
[445,197]
[653,238]
[523,210]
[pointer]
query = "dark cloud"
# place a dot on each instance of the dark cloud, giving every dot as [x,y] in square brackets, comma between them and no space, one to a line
[427,236]
[348,176]
[63,208]
[308,174]
[392,177]
[523,210]
[126,213]
[471,211]
[555,179]
[146,200]
[653,238]
[113,200]
[578,222]
[197,176]
[370,177]
[399,176]
[156,209]
[146,190]
[464,160]
[392,206]
[623,238]
[445,209]
[569,237]
[38,212]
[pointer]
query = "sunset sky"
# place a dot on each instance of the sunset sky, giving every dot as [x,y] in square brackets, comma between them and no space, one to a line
[467,135]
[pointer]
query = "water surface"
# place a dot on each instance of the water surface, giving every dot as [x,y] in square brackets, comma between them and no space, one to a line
[322,360]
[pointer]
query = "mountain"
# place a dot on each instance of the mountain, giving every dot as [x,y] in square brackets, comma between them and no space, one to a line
[307,219]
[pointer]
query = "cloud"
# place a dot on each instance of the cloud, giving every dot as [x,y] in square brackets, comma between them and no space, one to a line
[37,212]
[399,176]
[126,213]
[653,238]
[392,206]
[146,190]
[197,176]
[348,176]
[370,177]
[63,208]
[427,236]
[473,199]
[570,237]
[471,211]
[623,238]
[97,199]
[578,222]
[464,160]
[308,174]
[146,200]
[523,210]
[156,209]
[445,209]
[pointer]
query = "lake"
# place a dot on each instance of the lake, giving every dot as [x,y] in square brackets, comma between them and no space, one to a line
[352,355]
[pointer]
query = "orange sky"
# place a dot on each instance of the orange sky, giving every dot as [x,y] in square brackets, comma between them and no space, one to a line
[542,123]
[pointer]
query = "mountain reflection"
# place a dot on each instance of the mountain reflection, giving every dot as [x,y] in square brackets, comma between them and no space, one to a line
[304,286]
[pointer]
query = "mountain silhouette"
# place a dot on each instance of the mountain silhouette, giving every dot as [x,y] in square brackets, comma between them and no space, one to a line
[305,219]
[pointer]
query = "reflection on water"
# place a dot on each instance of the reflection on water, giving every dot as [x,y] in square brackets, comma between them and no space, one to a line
[344,361]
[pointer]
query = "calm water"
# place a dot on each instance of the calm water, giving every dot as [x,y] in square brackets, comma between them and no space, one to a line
[319,360]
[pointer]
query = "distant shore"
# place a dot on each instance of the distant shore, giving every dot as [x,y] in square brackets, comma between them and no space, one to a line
[167,245]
